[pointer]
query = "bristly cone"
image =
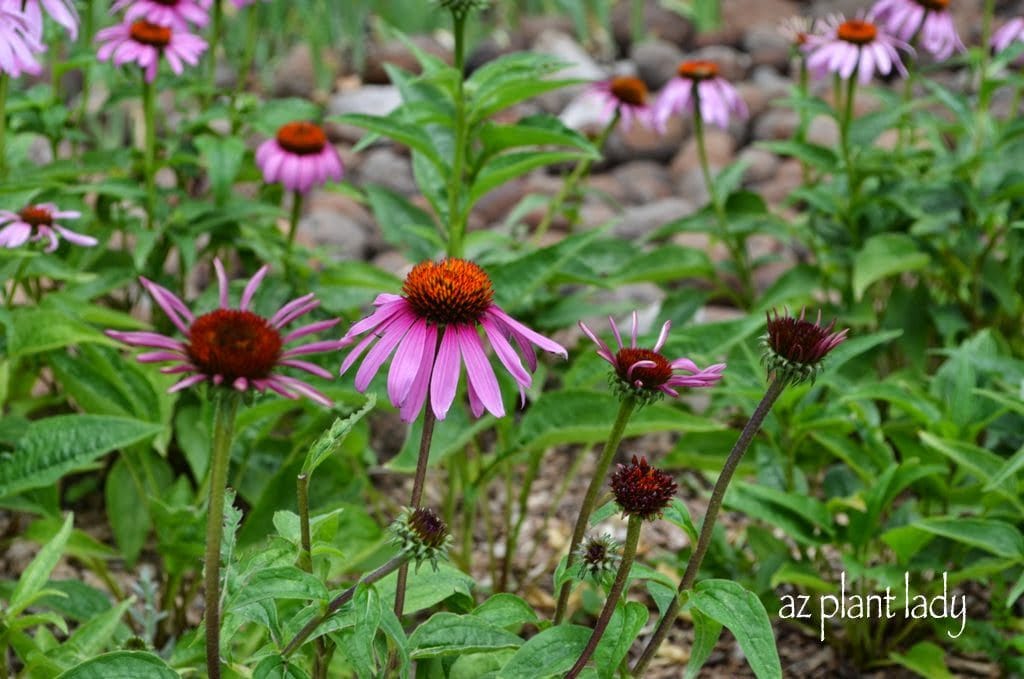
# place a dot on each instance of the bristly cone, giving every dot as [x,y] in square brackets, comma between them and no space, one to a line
[423,535]
[795,347]
[641,490]
[598,557]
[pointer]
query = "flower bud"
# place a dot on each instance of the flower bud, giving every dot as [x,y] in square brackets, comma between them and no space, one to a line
[422,534]
[641,490]
[795,347]
[598,557]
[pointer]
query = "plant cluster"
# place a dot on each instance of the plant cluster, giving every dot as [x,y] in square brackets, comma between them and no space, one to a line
[874,436]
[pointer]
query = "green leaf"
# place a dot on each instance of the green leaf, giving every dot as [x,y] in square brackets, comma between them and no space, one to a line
[480,665]
[624,626]
[664,263]
[506,167]
[506,610]
[403,224]
[283,582]
[982,464]
[815,155]
[97,633]
[332,439]
[33,331]
[884,255]
[998,537]
[743,613]
[427,587]
[127,510]
[58,445]
[122,665]
[396,129]
[705,635]
[926,659]
[278,667]
[576,416]
[1008,470]
[516,281]
[550,653]
[536,130]
[32,580]
[366,604]
[447,634]
[223,159]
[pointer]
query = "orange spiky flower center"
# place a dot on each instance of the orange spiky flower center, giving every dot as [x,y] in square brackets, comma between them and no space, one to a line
[449,291]
[857,31]
[234,343]
[302,138]
[36,215]
[151,34]
[698,69]
[629,90]
[649,377]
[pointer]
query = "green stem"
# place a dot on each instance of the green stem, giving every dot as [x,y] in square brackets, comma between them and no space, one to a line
[306,559]
[628,552]
[4,84]
[571,182]
[402,560]
[293,227]
[636,21]
[597,482]
[736,247]
[706,530]
[249,53]
[801,130]
[149,157]
[844,139]
[18,273]
[456,218]
[215,33]
[226,403]
[417,491]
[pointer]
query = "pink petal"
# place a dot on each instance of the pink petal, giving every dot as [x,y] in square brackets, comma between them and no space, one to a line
[479,371]
[445,379]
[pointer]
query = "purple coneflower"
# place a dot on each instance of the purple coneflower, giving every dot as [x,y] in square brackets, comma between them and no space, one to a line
[299,157]
[145,43]
[930,19]
[795,347]
[18,42]
[642,370]
[1008,33]
[435,327]
[700,80]
[235,348]
[36,222]
[173,13]
[61,11]
[628,96]
[854,46]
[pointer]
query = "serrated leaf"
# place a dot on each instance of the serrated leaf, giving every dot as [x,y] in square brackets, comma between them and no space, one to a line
[743,613]
[122,665]
[283,582]
[446,634]
[32,580]
[366,606]
[58,445]
[332,439]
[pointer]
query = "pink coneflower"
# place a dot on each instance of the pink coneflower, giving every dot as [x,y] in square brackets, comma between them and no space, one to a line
[628,96]
[61,11]
[235,348]
[36,222]
[794,348]
[1008,33]
[930,19]
[299,157]
[145,43]
[173,13]
[700,80]
[18,42]
[435,327]
[645,371]
[854,45]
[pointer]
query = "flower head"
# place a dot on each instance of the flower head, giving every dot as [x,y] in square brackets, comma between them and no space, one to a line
[422,535]
[172,13]
[641,490]
[299,157]
[699,81]
[36,222]
[854,46]
[795,347]
[645,374]
[18,41]
[235,348]
[435,326]
[460,8]
[145,43]
[1007,34]
[598,557]
[930,20]
[61,11]
[628,96]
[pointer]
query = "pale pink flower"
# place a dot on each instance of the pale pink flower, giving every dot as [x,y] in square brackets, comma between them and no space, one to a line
[61,11]
[647,370]
[628,96]
[235,348]
[699,81]
[146,43]
[1007,34]
[930,20]
[18,41]
[173,13]
[299,157]
[36,222]
[435,327]
[854,46]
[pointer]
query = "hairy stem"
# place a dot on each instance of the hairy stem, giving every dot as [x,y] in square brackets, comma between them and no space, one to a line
[225,409]
[628,552]
[597,482]
[706,530]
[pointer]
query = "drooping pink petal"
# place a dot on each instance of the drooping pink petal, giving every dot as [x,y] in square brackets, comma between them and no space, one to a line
[479,371]
[406,363]
[446,374]
[413,403]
